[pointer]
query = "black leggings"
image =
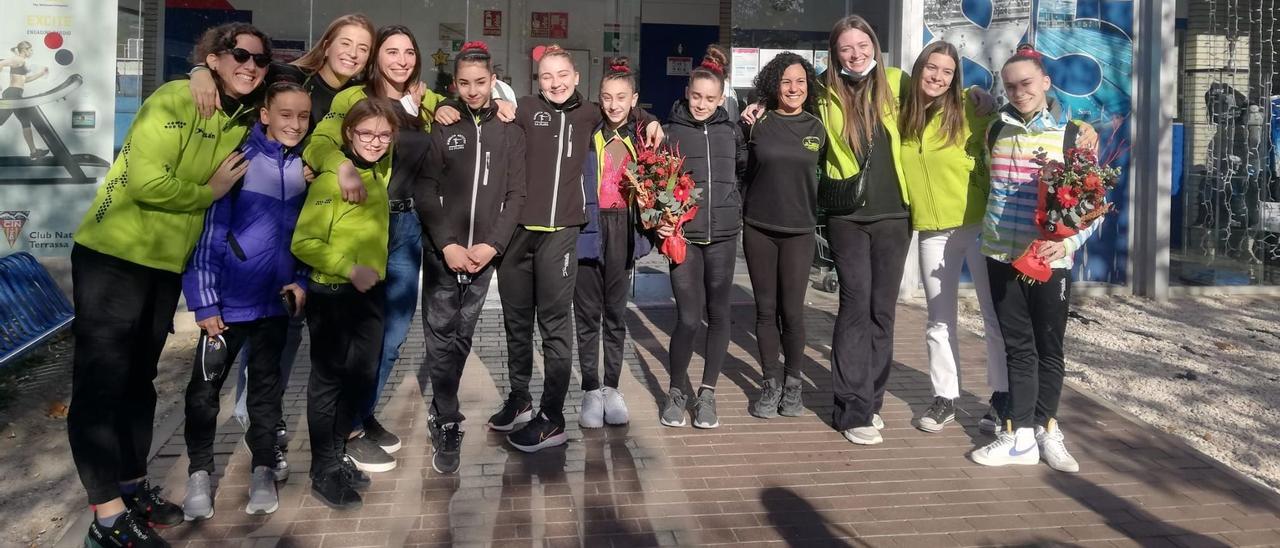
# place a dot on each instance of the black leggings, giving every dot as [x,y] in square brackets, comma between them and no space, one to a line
[778,263]
[23,114]
[1033,320]
[702,283]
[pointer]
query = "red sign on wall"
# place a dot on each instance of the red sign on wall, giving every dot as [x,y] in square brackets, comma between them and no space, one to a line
[492,23]
[554,24]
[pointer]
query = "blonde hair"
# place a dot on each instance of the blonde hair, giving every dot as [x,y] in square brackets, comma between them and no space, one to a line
[314,58]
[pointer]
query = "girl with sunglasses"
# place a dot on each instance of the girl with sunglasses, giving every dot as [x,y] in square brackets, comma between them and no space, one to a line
[130,250]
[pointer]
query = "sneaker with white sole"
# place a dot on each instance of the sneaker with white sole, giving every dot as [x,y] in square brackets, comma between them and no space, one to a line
[615,408]
[539,434]
[863,435]
[446,446]
[993,421]
[770,399]
[263,498]
[704,410]
[1053,449]
[673,411]
[592,413]
[877,422]
[1017,447]
[513,413]
[368,456]
[380,435]
[941,412]
[198,502]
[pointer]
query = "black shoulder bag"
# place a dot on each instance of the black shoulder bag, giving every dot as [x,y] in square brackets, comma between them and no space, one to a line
[844,196]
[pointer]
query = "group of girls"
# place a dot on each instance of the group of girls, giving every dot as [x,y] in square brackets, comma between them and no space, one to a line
[314,193]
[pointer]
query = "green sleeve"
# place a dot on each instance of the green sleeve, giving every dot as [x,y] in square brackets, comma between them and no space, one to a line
[324,148]
[153,150]
[312,234]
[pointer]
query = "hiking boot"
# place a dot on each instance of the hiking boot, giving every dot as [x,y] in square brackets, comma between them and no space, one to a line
[615,408]
[390,443]
[355,478]
[704,410]
[263,498]
[368,456]
[334,491]
[446,446]
[863,435]
[1053,449]
[147,504]
[198,503]
[513,413]
[281,468]
[1017,447]
[993,421]
[128,531]
[592,413]
[770,397]
[673,412]
[937,415]
[539,434]
[791,405]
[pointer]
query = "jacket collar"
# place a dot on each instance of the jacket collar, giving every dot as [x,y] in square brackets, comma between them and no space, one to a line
[574,101]
[680,115]
[482,114]
[258,143]
[1048,119]
[359,162]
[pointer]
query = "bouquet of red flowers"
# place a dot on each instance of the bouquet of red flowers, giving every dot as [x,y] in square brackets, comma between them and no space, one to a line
[665,195]
[1072,195]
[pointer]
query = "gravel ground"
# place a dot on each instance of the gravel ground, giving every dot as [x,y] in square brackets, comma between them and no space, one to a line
[1206,369]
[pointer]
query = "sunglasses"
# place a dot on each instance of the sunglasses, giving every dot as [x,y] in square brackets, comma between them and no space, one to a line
[242,56]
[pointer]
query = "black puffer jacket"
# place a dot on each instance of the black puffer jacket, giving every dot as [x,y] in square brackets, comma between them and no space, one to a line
[716,153]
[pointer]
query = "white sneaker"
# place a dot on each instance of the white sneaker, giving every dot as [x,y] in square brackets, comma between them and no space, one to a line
[877,422]
[1018,447]
[592,413]
[1053,450]
[198,503]
[863,435]
[615,409]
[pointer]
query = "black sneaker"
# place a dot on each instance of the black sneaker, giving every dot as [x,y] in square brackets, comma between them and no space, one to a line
[129,531]
[147,505]
[446,446]
[513,414]
[281,467]
[367,456]
[386,440]
[355,478]
[993,421]
[282,436]
[937,415]
[792,405]
[334,491]
[770,397]
[539,434]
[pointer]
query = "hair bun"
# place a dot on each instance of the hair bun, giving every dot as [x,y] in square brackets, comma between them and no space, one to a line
[620,65]
[475,45]
[1029,50]
[712,66]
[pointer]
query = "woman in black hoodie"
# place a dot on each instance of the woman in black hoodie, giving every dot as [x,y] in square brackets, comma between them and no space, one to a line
[469,200]
[716,154]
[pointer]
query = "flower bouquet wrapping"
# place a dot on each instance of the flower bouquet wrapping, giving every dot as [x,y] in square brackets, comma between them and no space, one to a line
[664,194]
[1072,195]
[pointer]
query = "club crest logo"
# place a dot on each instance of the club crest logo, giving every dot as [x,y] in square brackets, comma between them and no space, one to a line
[542,119]
[456,142]
[812,143]
[12,222]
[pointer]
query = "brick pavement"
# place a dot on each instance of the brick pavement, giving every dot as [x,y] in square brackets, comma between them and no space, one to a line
[786,481]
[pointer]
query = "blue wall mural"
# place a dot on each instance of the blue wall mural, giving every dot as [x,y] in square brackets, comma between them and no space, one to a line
[1088,49]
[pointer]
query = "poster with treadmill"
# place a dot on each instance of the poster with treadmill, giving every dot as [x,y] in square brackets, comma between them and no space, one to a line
[57,72]
[1088,51]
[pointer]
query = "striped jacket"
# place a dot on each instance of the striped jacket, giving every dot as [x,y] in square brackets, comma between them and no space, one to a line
[1008,227]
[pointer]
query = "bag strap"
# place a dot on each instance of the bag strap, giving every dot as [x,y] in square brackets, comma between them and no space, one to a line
[1069,135]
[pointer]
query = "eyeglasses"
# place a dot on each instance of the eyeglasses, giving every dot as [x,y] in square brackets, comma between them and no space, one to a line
[369,137]
[242,56]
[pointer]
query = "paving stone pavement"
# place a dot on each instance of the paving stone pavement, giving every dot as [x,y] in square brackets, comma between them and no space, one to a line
[786,481]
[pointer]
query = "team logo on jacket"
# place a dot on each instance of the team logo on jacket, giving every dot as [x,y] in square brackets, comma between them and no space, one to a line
[542,119]
[456,142]
[12,222]
[812,143]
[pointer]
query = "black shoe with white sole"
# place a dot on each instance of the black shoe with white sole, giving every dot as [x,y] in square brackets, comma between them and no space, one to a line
[539,434]
[937,415]
[513,413]
[368,456]
[386,440]
[446,446]
[993,421]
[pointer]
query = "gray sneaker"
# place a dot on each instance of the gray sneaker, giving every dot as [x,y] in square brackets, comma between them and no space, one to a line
[198,504]
[673,412]
[792,405]
[770,396]
[704,410]
[262,492]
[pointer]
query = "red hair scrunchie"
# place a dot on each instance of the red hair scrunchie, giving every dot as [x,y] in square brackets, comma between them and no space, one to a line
[620,68]
[475,45]
[712,66]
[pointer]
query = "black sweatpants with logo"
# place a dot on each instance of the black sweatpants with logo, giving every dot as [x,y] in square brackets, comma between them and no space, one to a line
[266,341]
[536,280]
[1033,320]
[450,312]
[124,313]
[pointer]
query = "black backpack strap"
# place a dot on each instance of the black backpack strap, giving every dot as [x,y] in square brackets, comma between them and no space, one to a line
[993,134]
[1069,135]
